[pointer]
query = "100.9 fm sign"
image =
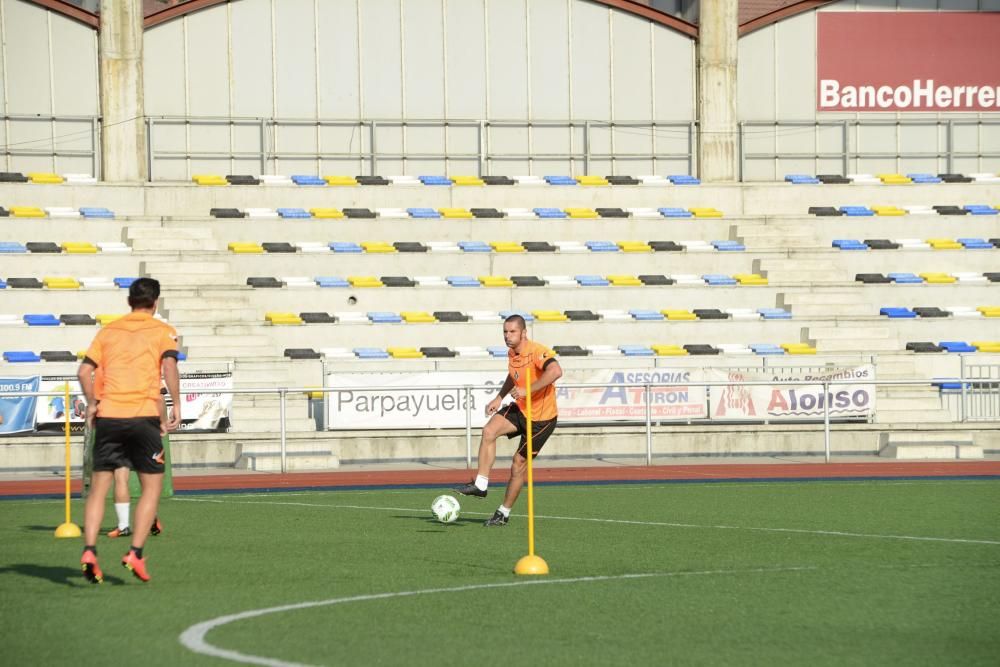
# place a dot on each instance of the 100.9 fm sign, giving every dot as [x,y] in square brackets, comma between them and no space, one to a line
[908,61]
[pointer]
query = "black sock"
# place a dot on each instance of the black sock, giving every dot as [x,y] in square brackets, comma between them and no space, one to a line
[137,551]
[91,548]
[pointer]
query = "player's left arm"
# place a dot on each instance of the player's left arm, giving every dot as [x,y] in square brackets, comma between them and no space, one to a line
[172,378]
[551,371]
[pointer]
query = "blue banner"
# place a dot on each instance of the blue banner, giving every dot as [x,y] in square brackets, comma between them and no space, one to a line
[17,414]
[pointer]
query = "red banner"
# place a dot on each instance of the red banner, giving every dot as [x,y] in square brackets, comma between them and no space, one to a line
[908,61]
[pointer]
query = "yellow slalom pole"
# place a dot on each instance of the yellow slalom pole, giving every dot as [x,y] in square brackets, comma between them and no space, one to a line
[67,529]
[530,564]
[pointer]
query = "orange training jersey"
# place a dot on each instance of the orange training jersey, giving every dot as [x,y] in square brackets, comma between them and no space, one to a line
[128,353]
[543,401]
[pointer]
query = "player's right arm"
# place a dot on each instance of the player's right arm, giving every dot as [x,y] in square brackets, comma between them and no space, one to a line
[494,405]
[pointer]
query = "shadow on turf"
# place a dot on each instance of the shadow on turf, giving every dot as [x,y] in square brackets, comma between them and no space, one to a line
[437,524]
[68,576]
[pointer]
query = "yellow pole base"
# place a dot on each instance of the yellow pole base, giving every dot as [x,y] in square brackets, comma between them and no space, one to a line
[531,565]
[68,530]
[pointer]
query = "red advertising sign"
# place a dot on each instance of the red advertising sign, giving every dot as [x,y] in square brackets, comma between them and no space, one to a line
[908,61]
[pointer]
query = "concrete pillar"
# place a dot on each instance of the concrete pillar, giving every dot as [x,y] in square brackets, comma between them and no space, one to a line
[123,127]
[717,56]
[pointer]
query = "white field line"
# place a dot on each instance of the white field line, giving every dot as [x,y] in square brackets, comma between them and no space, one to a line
[194,637]
[667,524]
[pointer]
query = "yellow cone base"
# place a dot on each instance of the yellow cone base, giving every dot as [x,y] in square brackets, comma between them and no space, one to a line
[531,565]
[68,530]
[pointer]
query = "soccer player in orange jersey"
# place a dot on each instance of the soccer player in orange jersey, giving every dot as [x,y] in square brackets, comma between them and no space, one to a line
[510,419]
[124,408]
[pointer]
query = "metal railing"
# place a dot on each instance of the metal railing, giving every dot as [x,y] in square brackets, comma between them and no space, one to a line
[267,151]
[977,397]
[17,147]
[647,389]
[851,149]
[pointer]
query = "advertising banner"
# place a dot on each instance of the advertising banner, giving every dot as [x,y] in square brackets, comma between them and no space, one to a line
[52,409]
[799,402]
[908,61]
[17,414]
[602,404]
[205,411]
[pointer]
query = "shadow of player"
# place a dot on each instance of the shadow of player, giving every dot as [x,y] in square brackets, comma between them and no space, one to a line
[67,576]
[431,521]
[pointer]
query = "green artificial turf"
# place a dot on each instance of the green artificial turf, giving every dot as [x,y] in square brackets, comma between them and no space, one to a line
[740,573]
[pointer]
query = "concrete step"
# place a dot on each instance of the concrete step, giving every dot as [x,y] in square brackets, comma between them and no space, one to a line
[829,333]
[152,245]
[911,416]
[920,403]
[191,267]
[194,280]
[824,298]
[802,276]
[181,316]
[243,423]
[895,367]
[928,445]
[858,345]
[167,233]
[820,311]
[226,352]
[792,263]
[176,299]
[232,340]
[293,462]
[756,241]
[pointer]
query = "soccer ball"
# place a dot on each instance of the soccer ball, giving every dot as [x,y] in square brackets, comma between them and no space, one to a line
[445,508]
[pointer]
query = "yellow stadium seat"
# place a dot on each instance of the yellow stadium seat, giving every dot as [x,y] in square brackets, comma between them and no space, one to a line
[76,248]
[987,345]
[43,177]
[634,246]
[340,180]
[404,353]
[938,278]
[750,279]
[945,244]
[364,281]
[705,212]
[679,314]
[495,281]
[106,319]
[282,318]
[209,179]
[624,281]
[455,212]
[669,350]
[466,180]
[798,348]
[591,180]
[246,248]
[326,213]
[27,212]
[314,394]
[506,246]
[581,212]
[989,311]
[377,246]
[549,315]
[417,316]
[894,179]
[888,210]
[55,282]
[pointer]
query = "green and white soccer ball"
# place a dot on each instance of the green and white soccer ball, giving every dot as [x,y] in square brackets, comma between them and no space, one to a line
[445,508]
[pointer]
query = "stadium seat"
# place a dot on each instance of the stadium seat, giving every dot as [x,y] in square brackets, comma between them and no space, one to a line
[504,314]
[636,351]
[676,314]
[450,316]
[430,281]
[495,281]
[12,177]
[435,180]
[603,350]
[96,212]
[377,247]
[114,247]
[43,247]
[894,179]
[590,280]
[26,212]
[653,180]
[242,179]
[554,213]
[371,180]
[905,278]
[614,315]
[307,179]
[60,283]
[438,352]
[404,352]
[560,180]
[986,346]
[766,349]
[929,312]
[298,281]
[582,316]
[944,244]
[499,180]
[424,213]
[687,279]
[653,279]
[358,213]
[705,212]
[398,281]
[645,315]
[124,282]
[332,281]
[864,179]
[644,213]
[301,353]
[269,180]
[455,213]
[443,246]
[317,318]
[278,247]
[897,313]
[409,246]
[701,349]
[981,209]
[570,351]
[825,211]
[592,180]
[938,278]
[575,212]
[801,179]
[320,213]
[282,318]
[742,313]
[474,246]
[798,348]
[261,213]
[963,312]
[12,247]
[989,311]
[345,247]
[728,246]
[750,279]
[849,244]
[41,320]
[924,178]
[619,280]
[683,179]
[696,245]
[20,357]
[956,346]
[105,319]
[623,180]
[244,248]
[209,179]
[950,209]
[24,283]
[571,246]
[634,246]
[967,277]
[718,279]
[96,282]
[670,212]
[528,281]
[612,212]
[923,347]
[888,211]
[710,314]
[538,246]
[774,314]
[57,356]
[669,350]
[467,180]
[666,246]
[506,246]
[370,353]
[384,317]
[881,244]
[549,316]
[602,246]
[734,349]
[487,213]
[364,281]
[291,213]
[975,243]
[856,211]
[462,281]
[341,180]
[497,351]
[226,213]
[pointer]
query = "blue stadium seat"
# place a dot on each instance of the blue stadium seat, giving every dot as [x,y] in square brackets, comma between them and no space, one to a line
[3,284]
[124,282]
[671,212]
[766,349]
[528,317]
[683,179]
[801,179]
[306,179]
[435,180]
[774,314]
[956,346]
[849,244]
[96,212]
[345,246]
[294,213]
[20,357]
[560,180]
[949,384]
[905,278]
[423,213]
[462,281]
[636,351]
[718,279]
[976,244]
[592,281]
[645,315]
[475,246]
[41,320]
[384,317]
[602,246]
[981,209]
[332,281]
[923,178]
[370,353]
[729,246]
[856,211]
[182,356]
[12,247]
[549,212]
[498,351]
[897,313]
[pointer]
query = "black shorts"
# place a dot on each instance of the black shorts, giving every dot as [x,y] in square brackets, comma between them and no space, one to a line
[540,430]
[133,443]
